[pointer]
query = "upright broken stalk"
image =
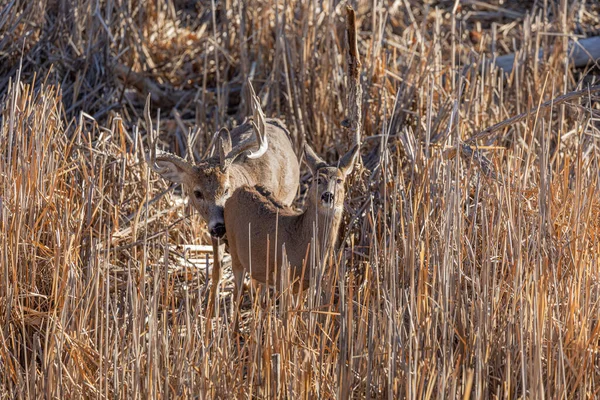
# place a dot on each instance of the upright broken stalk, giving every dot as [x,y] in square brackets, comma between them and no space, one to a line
[354,119]
[354,87]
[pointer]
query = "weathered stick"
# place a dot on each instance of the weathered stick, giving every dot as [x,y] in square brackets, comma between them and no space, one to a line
[470,154]
[354,87]
[161,94]
[554,102]
[581,53]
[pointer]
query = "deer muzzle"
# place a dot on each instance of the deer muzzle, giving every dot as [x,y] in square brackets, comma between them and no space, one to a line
[327,198]
[218,231]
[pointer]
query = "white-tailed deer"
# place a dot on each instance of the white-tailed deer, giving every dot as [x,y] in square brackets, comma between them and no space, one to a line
[211,182]
[258,228]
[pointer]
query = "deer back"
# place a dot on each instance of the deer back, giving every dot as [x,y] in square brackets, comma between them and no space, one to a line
[277,170]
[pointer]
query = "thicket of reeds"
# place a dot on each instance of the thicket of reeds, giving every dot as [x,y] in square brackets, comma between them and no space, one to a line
[466,269]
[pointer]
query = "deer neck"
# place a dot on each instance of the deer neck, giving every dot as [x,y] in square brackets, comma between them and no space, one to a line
[238,176]
[326,224]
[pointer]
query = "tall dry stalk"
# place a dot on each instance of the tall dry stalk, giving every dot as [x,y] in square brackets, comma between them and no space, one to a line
[460,277]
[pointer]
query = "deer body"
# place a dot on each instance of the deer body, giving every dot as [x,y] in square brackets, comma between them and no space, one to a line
[252,209]
[258,228]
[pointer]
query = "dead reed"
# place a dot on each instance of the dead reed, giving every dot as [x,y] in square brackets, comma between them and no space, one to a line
[458,277]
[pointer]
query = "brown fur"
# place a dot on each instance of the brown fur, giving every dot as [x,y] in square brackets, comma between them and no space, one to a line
[212,181]
[277,170]
[258,228]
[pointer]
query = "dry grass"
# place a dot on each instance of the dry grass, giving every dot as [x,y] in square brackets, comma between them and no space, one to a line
[459,277]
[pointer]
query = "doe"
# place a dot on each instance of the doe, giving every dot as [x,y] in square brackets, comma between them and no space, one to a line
[252,213]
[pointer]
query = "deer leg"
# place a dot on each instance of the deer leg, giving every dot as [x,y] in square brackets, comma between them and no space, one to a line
[216,277]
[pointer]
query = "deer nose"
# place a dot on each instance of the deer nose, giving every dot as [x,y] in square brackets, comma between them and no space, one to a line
[327,197]
[218,231]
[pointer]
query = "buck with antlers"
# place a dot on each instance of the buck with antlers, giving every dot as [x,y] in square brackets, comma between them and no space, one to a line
[211,182]
[258,228]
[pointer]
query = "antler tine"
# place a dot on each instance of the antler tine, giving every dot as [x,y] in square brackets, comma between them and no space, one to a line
[153,138]
[259,124]
[260,127]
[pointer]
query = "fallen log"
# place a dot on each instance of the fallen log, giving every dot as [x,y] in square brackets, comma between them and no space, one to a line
[581,53]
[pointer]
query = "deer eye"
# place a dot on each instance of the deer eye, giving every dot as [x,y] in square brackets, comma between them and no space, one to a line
[339,181]
[227,191]
[320,180]
[198,195]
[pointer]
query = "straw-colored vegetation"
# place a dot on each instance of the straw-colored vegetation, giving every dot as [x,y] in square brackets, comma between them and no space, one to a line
[464,272]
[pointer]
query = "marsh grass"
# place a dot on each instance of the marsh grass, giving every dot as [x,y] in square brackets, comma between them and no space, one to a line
[457,277]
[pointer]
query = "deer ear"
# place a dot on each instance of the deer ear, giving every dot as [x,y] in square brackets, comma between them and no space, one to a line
[347,162]
[173,168]
[312,159]
[224,146]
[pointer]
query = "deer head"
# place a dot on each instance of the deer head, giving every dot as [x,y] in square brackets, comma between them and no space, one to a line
[209,183]
[327,188]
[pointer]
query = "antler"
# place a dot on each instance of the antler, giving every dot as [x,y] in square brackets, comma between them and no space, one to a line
[153,139]
[259,124]
[166,159]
